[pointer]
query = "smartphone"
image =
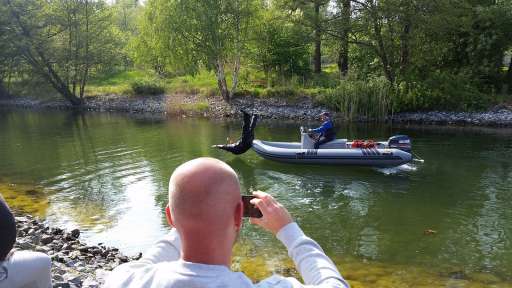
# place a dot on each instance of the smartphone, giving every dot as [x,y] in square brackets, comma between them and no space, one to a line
[250,210]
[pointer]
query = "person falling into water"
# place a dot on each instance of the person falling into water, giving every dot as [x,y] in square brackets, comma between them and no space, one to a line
[245,142]
[325,133]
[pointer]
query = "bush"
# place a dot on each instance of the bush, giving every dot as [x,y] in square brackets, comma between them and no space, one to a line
[147,87]
[280,92]
[188,108]
[441,91]
[355,98]
[240,93]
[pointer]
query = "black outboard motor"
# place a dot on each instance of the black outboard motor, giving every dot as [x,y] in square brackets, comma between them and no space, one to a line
[401,142]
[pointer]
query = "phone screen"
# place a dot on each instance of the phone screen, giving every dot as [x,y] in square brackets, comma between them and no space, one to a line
[249,209]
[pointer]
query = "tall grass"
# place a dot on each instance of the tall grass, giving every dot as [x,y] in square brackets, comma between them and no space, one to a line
[119,83]
[203,83]
[355,98]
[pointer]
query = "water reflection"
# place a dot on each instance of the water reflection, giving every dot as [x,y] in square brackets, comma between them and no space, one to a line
[108,175]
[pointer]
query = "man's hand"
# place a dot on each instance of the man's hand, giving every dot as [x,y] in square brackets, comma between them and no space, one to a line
[275,216]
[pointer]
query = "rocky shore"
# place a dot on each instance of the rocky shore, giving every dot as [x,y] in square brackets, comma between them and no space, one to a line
[497,117]
[74,264]
[269,108]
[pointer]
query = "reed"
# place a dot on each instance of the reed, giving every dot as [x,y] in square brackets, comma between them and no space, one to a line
[370,100]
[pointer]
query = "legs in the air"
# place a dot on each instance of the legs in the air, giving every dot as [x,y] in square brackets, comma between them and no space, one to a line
[245,142]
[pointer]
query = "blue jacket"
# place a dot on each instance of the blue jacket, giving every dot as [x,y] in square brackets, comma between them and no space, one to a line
[325,126]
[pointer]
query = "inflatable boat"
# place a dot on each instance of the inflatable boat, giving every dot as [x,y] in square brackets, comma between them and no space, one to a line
[396,151]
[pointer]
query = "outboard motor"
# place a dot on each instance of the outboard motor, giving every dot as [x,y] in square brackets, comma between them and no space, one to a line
[401,142]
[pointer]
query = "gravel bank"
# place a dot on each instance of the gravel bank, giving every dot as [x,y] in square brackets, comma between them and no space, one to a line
[501,117]
[300,109]
[272,108]
[74,264]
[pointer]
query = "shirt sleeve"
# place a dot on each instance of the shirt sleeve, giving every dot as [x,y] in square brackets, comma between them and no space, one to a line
[27,269]
[320,129]
[326,125]
[315,267]
[166,249]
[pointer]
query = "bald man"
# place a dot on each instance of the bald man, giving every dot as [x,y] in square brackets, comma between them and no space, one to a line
[205,212]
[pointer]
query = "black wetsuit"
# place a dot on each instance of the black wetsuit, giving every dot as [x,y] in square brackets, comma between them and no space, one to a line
[245,142]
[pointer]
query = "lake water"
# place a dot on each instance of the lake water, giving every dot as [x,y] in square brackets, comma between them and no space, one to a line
[446,222]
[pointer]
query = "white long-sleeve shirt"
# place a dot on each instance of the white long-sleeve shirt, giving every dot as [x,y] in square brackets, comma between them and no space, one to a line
[26,269]
[162,267]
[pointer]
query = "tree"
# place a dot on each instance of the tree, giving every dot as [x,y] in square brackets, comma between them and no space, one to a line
[277,45]
[61,40]
[313,17]
[209,33]
[338,27]
[6,53]
[126,14]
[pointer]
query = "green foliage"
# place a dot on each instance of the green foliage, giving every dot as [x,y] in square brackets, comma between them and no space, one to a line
[193,84]
[279,92]
[186,108]
[199,34]
[64,42]
[278,47]
[399,55]
[114,83]
[147,87]
[441,91]
[370,99]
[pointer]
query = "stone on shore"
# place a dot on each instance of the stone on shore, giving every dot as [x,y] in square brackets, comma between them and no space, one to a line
[74,264]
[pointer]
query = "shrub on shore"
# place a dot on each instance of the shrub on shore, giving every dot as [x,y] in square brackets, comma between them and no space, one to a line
[188,108]
[147,87]
[355,98]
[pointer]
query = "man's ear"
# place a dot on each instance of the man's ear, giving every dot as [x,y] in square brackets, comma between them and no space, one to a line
[168,215]
[239,211]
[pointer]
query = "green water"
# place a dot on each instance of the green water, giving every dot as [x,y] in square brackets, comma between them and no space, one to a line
[108,174]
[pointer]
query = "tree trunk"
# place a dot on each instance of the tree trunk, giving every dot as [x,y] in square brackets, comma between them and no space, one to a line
[318,40]
[3,91]
[221,80]
[404,35]
[85,74]
[236,70]
[36,57]
[238,51]
[382,50]
[57,82]
[344,46]
[404,47]
[508,78]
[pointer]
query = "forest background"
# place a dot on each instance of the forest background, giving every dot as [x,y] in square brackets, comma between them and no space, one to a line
[359,57]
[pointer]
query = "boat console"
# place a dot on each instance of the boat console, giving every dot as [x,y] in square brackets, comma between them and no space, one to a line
[306,142]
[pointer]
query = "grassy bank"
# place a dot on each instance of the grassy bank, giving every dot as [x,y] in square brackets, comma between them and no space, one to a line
[373,97]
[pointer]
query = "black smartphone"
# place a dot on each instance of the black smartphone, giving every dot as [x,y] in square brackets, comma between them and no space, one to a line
[250,210]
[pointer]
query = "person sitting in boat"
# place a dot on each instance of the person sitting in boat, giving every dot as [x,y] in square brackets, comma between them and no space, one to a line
[325,133]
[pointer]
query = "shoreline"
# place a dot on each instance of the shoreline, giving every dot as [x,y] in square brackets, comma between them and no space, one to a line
[302,108]
[74,264]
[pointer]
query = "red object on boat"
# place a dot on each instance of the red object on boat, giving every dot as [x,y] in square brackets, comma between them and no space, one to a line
[366,144]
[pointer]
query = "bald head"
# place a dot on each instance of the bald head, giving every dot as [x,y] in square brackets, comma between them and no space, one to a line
[203,195]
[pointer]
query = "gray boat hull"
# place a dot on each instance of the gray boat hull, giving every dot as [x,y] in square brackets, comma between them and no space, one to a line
[291,152]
